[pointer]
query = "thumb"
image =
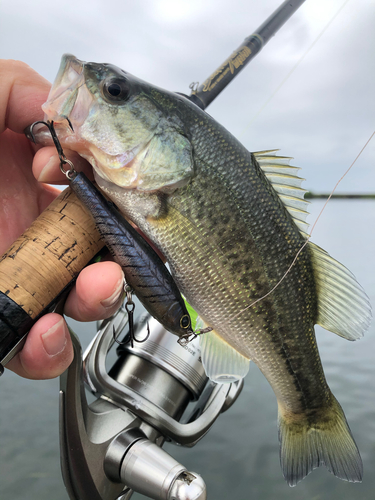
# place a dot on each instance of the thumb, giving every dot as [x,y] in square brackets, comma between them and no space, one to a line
[47,352]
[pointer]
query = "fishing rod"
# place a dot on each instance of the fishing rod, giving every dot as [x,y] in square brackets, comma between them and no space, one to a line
[41,265]
[205,93]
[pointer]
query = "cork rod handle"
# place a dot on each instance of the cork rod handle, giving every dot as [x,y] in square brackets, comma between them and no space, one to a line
[41,263]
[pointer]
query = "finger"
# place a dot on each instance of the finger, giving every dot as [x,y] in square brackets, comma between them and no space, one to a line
[98,292]
[46,165]
[47,352]
[22,92]
[22,198]
[46,196]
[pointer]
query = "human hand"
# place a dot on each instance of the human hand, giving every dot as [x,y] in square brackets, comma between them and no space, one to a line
[97,293]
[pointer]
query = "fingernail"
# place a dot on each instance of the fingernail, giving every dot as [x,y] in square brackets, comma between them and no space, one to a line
[115,296]
[49,170]
[53,341]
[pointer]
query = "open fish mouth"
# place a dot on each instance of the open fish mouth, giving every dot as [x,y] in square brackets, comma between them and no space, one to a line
[69,98]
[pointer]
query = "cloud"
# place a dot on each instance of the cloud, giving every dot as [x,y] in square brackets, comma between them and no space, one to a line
[321,114]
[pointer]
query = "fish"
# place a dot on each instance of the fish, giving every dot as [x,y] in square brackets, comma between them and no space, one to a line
[230,223]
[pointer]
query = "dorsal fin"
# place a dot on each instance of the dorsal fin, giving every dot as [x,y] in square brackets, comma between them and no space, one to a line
[286,183]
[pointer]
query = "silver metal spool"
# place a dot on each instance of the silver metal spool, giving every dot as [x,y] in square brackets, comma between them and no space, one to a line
[161,348]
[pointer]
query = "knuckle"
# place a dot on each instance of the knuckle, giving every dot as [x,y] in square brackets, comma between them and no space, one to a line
[13,65]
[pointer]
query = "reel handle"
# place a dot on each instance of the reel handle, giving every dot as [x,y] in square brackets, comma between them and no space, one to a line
[40,265]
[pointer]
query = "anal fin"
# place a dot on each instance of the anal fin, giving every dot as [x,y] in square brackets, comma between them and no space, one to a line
[343,306]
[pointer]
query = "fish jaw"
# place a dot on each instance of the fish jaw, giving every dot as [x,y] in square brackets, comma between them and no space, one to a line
[62,101]
[67,106]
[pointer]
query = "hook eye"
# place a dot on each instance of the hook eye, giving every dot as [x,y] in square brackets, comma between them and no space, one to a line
[185,321]
[186,338]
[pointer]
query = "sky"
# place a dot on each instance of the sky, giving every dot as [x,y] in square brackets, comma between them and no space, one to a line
[309,93]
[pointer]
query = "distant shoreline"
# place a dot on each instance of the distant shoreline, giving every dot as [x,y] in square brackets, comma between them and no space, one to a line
[310,195]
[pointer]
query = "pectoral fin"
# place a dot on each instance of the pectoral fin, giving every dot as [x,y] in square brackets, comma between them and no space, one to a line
[222,363]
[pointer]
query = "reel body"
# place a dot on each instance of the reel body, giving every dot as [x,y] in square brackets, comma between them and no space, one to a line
[156,391]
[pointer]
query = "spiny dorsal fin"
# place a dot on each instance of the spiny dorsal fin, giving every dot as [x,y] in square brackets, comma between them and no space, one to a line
[286,183]
[343,306]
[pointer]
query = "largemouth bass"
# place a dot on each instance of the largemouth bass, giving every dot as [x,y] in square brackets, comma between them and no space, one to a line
[230,224]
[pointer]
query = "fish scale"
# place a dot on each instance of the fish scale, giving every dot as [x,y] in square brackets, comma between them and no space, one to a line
[278,338]
[219,289]
[230,224]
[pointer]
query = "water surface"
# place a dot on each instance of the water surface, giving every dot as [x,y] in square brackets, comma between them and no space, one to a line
[239,458]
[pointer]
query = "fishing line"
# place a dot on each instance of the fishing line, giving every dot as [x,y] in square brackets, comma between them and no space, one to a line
[291,71]
[309,236]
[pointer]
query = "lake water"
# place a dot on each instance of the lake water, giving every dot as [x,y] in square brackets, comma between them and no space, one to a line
[239,458]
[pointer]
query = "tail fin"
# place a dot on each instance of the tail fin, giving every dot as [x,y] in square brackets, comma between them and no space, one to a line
[324,438]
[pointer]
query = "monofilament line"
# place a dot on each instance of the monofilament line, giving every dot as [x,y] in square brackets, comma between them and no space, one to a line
[309,236]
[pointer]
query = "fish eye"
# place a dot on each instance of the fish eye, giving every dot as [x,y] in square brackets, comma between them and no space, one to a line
[185,321]
[116,89]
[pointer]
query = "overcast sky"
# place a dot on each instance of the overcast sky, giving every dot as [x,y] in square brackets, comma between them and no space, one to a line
[322,114]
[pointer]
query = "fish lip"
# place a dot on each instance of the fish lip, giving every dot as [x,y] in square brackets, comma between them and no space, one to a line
[63,94]
[61,100]
[70,59]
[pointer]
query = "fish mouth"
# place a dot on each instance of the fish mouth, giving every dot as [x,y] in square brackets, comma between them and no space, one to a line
[83,124]
[69,98]
[68,103]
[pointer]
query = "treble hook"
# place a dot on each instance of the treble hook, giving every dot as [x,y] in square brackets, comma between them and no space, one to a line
[130,306]
[71,173]
[130,336]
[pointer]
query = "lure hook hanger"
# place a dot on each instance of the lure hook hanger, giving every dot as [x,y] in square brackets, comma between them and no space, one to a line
[188,337]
